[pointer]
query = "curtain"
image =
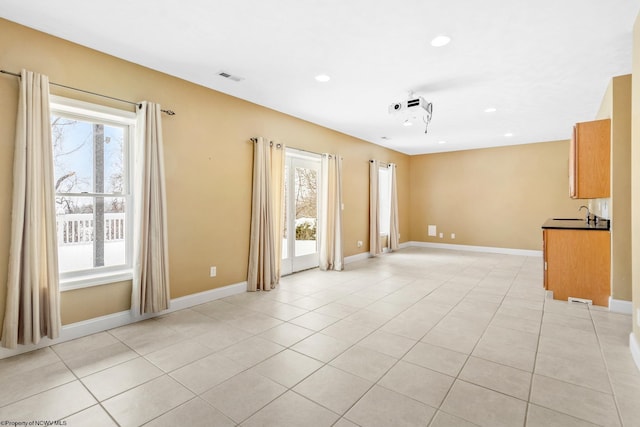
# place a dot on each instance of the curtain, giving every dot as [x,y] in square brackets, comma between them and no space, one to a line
[394,227]
[330,230]
[33,298]
[151,255]
[265,246]
[374,209]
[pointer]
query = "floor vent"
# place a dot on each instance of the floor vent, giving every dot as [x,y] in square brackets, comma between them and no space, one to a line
[580,300]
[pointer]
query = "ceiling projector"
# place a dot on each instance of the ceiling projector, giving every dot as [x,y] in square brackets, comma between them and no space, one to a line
[413,109]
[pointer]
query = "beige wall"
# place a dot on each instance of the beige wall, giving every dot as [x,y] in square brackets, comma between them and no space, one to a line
[207,157]
[616,105]
[635,177]
[496,197]
[601,207]
[113,298]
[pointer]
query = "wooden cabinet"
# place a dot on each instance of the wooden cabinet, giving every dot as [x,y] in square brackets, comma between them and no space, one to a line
[577,263]
[589,160]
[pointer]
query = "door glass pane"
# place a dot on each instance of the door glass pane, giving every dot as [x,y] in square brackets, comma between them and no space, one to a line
[384,199]
[285,226]
[306,206]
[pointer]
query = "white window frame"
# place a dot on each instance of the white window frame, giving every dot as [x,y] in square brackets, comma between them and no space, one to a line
[109,116]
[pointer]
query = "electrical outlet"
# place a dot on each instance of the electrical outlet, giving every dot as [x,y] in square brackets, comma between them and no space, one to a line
[442,235]
[431,230]
[453,236]
[212,272]
[359,244]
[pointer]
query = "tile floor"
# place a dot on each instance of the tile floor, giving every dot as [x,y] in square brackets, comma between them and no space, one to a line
[420,337]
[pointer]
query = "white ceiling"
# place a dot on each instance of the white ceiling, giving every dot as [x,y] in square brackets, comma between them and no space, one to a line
[543,64]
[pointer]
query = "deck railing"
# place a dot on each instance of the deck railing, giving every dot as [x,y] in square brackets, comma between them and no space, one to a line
[78,228]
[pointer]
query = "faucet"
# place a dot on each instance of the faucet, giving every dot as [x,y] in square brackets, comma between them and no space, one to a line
[588,212]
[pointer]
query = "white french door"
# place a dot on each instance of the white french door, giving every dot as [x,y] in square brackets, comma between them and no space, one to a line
[300,231]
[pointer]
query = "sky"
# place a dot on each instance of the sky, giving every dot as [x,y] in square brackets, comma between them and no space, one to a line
[74,152]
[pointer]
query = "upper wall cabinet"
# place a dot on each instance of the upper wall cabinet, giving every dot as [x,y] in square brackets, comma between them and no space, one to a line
[589,160]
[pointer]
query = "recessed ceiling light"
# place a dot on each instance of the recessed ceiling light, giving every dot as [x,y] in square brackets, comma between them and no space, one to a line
[508,134]
[490,110]
[322,78]
[440,41]
[442,142]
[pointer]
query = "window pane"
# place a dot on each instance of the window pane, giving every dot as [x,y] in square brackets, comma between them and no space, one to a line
[89,157]
[114,159]
[91,232]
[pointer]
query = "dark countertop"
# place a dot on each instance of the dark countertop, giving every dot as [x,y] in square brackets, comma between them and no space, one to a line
[577,224]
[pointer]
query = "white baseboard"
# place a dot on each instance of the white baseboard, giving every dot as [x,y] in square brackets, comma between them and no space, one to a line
[488,249]
[206,296]
[634,346]
[357,257]
[620,306]
[449,246]
[110,321]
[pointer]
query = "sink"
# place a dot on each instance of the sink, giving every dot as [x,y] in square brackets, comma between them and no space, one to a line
[569,219]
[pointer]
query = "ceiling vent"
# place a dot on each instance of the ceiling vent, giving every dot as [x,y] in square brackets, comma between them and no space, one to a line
[230,76]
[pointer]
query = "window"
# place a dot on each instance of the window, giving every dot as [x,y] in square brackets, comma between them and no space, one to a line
[384,199]
[92,178]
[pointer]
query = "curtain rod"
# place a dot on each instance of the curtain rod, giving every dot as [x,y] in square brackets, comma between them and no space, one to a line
[386,164]
[297,149]
[270,142]
[168,112]
[317,154]
[306,151]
